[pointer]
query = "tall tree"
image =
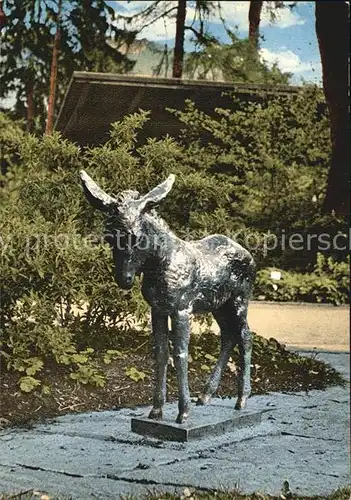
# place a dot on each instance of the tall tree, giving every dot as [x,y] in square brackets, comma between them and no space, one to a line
[255,10]
[53,75]
[2,16]
[332,28]
[24,59]
[179,40]
[84,27]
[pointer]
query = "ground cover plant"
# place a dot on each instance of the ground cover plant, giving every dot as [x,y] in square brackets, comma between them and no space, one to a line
[125,376]
[190,494]
[62,313]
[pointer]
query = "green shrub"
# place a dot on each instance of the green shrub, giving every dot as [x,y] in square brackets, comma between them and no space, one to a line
[275,151]
[58,298]
[329,282]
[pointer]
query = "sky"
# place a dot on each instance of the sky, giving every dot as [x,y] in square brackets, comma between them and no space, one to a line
[290,40]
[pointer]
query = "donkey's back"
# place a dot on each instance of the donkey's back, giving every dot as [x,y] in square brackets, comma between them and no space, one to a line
[224,270]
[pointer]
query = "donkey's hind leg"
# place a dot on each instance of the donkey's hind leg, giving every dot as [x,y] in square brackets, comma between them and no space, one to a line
[225,317]
[245,349]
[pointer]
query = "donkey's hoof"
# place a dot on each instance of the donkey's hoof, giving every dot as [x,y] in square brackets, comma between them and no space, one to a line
[241,403]
[182,417]
[156,414]
[203,399]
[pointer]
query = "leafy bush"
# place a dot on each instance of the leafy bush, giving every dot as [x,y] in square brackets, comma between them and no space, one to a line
[59,300]
[276,152]
[273,154]
[329,282]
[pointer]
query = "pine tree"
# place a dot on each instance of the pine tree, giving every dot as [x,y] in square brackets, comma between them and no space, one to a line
[27,50]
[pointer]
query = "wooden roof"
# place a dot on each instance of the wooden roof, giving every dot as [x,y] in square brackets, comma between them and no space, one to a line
[95,100]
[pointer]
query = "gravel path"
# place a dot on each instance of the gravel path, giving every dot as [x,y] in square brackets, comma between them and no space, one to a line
[320,326]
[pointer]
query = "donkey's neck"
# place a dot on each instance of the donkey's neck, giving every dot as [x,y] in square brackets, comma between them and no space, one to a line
[161,238]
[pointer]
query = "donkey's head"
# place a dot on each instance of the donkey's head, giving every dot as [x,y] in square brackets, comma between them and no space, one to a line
[124,225]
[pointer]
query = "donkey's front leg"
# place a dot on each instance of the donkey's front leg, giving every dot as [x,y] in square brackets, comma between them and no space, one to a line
[181,334]
[160,339]
[245,349]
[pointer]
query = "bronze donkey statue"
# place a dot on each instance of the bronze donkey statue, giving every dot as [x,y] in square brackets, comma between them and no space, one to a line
[214,274]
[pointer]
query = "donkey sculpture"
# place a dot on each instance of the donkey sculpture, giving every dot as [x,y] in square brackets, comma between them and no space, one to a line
[214,274]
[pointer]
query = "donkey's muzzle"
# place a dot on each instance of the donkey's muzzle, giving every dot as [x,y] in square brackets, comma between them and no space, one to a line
[125,282]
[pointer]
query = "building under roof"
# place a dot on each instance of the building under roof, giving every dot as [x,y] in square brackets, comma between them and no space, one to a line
[95,100]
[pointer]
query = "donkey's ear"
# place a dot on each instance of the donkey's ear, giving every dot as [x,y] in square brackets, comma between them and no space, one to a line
[153,197]
[96,196]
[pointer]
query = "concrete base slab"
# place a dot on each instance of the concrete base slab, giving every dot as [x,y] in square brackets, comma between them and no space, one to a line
[202,425]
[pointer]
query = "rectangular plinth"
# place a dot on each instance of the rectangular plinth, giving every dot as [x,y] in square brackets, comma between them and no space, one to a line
[199,426]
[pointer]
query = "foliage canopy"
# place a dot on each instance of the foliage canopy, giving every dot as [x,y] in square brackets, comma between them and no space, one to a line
[85,29]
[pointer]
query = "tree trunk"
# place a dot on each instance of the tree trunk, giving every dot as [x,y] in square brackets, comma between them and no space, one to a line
[30,108]
[179,40]
[332,28]
[2,17]
[254,22]
[53,75]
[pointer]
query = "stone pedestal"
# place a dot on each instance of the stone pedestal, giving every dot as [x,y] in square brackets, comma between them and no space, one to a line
[211,420]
